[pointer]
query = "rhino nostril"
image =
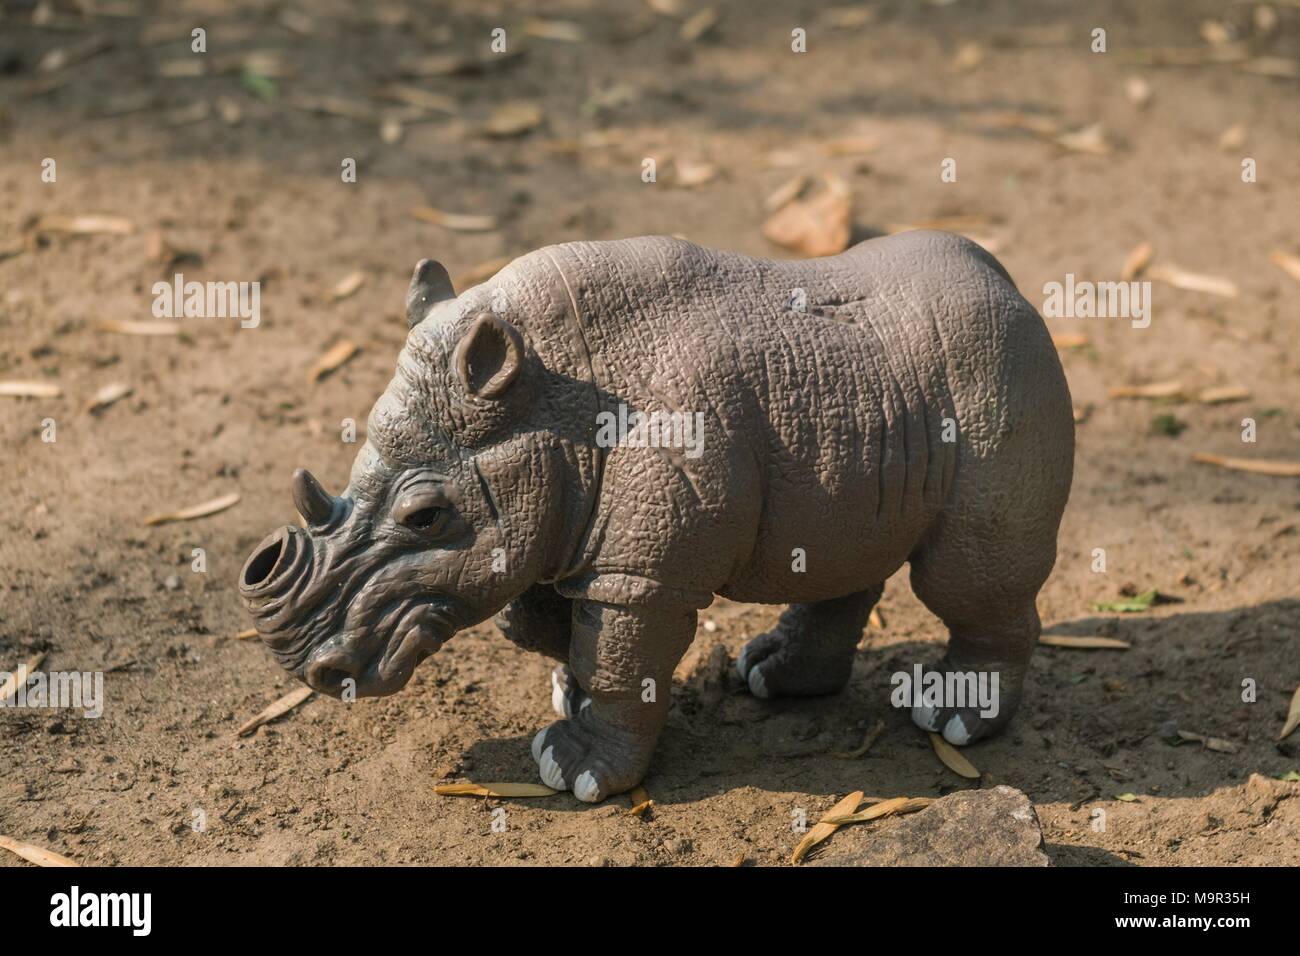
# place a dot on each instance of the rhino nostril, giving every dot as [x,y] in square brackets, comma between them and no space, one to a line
[259,567]
[329,674]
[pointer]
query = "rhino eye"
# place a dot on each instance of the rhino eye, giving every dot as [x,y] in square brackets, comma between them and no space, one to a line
[419,512]
[424,518]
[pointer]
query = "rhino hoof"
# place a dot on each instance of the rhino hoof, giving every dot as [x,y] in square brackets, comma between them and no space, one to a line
[551,773]
[585,787]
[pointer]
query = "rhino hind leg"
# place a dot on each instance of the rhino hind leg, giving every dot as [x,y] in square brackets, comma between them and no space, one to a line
[810,651]
[984,588]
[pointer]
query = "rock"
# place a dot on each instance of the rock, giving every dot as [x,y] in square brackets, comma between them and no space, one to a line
[994,827]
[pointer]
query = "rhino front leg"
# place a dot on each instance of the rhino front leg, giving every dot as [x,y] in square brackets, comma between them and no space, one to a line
[624,658]
[541,620]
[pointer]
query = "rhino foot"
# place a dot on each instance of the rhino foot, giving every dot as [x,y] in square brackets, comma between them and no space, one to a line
[810,651]
[589,757]
[965,725]
[567,698]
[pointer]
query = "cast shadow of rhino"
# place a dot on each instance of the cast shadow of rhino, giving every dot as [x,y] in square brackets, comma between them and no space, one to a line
[1094,724]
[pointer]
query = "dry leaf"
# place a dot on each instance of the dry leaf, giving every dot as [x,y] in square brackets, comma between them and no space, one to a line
[493,790]
[1193,281]
[1138,91]
[1279,67]
[952,758]
[969,56]
[699,24]
[246,634]
[421,99]
[562,31]
[513,119]
[1151,390]
[867,743]
[1217,744]
[819,226]
[1265,20]
[439,64]
[65,56]
[334,106]
[297,22]
[783,158]
[210,507]
[958,224]
[138,328]
[86,225]
[787,192]
[107,395]
[896,806]
[1286,262]
[230,111]
[823,829]
[1136,262]
[689,174]
[849,146]
[1084,643]
[1030,122]
[10,685]
[1223,393]
[456,222]
[1215,32]
[641,801]
[347,286]
[1081,413]
[336,355]
[1258,466]
[1233,138]
[876,619]
[849,18]
[481,272]
[34,854]
[30,389]
[281,707]
[669,8]
[1292,716]
[1090,139]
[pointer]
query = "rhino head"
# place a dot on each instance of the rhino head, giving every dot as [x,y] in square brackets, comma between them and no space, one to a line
[456,504]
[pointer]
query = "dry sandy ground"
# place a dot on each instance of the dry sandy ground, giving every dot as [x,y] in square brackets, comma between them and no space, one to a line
[220,410]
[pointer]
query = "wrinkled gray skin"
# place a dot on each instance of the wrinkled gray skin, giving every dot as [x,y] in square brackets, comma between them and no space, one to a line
[481,487]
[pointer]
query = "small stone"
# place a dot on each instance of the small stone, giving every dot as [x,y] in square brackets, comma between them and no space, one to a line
[172,582]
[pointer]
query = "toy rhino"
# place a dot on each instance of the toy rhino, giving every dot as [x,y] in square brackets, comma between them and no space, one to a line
[605,435]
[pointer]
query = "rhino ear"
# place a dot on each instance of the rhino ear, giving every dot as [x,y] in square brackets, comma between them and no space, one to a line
[430,285]
[490,357]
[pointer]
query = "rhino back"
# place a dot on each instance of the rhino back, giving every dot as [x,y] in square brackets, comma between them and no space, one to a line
[826,387]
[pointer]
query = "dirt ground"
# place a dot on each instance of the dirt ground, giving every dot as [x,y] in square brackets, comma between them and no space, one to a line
[220,409]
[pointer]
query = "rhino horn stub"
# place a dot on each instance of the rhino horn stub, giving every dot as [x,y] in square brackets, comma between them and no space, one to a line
[313,502]
[430,285]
